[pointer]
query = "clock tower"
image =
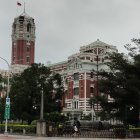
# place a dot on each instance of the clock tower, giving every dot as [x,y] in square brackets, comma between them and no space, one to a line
[23,40]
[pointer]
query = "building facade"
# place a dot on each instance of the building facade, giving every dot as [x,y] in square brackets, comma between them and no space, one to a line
[79,73]
[80,77]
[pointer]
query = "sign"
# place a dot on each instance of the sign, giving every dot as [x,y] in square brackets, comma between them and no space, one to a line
[7,101]
[7,109]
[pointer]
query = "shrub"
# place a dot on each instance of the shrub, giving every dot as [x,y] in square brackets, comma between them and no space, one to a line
[17,128]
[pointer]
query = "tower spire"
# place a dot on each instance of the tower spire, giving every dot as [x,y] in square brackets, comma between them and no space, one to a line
[24,7]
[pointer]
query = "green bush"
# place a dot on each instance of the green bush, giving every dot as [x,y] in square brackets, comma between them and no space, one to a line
[34,122]
[17,128]
[135,132]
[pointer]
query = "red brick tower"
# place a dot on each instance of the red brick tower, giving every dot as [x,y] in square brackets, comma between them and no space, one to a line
[23,40]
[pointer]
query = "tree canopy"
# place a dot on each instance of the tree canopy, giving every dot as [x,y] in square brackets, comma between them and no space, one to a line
[121,83]
[26,91]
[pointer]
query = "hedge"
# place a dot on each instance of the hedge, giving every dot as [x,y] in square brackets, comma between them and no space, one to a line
[18,128]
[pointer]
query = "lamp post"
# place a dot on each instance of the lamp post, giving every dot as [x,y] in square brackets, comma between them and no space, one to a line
[7,96]
[41,124]
[42,105]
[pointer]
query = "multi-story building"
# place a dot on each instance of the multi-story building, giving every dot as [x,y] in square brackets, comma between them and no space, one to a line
[79,72]
[80,77]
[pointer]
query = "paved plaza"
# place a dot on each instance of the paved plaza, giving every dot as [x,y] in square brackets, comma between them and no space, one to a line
[21,137]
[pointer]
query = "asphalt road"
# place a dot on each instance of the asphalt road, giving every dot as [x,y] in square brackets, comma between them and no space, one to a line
[21,137]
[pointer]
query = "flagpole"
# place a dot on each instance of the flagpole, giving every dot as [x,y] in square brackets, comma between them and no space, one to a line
[17,11]
[18,4]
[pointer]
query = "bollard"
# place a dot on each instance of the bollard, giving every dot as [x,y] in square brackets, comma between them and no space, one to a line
[11,130]
[24,131]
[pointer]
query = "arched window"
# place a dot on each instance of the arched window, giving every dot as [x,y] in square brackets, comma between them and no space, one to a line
[28,27]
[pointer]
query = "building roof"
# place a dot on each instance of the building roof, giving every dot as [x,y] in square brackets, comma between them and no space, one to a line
[25,15]
[95,44]
[98,43]
[59,63]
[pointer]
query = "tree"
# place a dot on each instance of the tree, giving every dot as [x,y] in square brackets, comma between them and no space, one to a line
[0,82]
[3,89]
[121,83]
[26,91]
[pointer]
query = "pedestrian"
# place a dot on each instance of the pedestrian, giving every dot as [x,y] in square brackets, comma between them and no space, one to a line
[76,126]
[100,125]
[60,128]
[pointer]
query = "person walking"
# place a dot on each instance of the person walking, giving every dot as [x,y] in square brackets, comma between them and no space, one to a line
[76,126]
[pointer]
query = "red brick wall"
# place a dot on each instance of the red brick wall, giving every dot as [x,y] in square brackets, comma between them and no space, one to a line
[20,52]
[88,88]
[81,88]
[70,89]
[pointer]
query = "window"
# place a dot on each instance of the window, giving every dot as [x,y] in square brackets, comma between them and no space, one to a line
[96,59]
[76,76]
[91,89]
[27,59]
[87,58]
[82,58]
[75,104]
[91,75]
[28,49]
[28,27]
[76,91]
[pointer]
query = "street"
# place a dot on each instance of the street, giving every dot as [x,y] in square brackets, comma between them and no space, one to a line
[18,137]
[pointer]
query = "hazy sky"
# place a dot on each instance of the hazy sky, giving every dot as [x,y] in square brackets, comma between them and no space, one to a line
[63,26]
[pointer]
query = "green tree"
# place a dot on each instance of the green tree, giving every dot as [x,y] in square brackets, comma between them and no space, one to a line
[26,91]
[3,89]
[0,82]
[121,83]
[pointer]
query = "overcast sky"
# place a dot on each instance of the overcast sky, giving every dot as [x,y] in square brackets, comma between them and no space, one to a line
[63,26]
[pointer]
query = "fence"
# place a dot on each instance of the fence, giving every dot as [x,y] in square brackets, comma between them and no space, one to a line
[85,131]
[91,132]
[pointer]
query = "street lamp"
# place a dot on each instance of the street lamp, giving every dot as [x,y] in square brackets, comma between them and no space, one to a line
[7,96]
[41,124]
[42,105]
[41,102]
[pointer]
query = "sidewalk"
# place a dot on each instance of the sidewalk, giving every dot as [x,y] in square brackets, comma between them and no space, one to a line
[21,137]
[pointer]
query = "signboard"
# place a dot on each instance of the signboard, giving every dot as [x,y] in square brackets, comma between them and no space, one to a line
[7,109]
[7,101]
